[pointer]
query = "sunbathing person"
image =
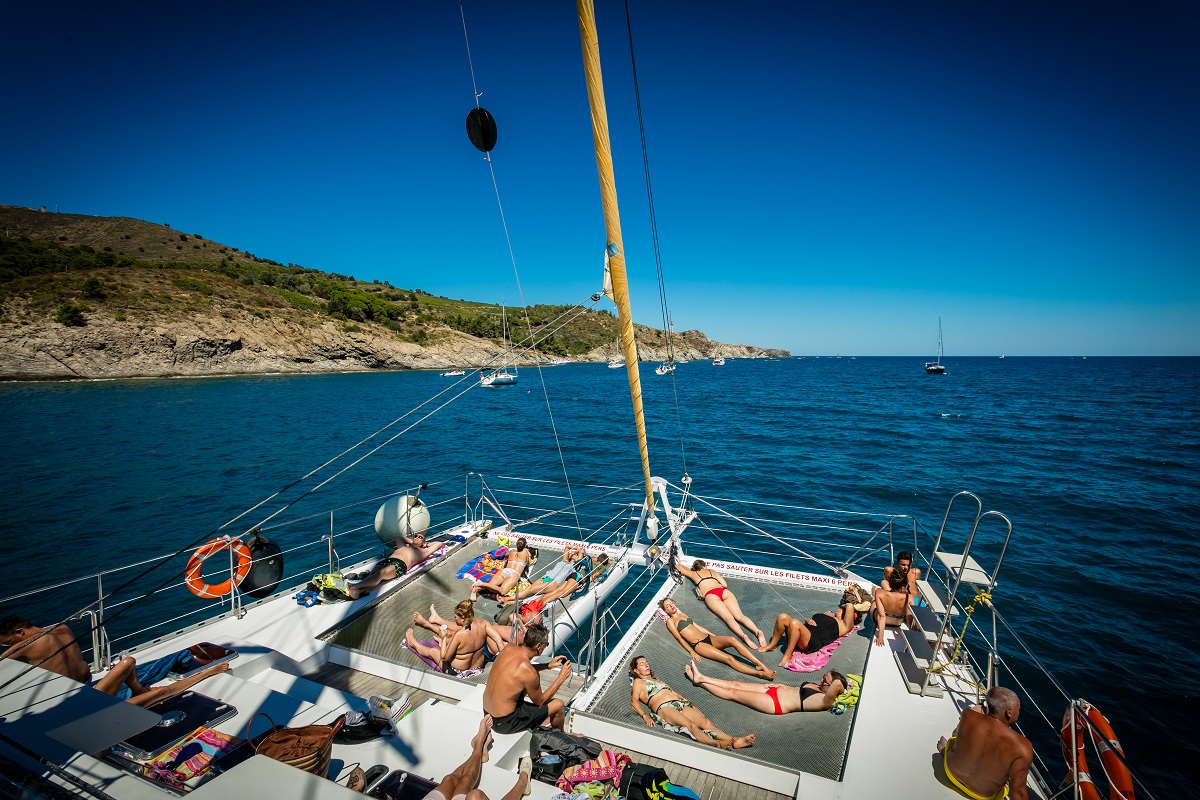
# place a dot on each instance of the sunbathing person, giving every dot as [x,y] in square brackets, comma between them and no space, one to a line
[701,642]
[720,600]
[774,698]
[459,651]
[985,757]
[673,711]
[563,579]
[586,571]
[812,634]
[498,636]
[517,560]
[403,558]
[55,649]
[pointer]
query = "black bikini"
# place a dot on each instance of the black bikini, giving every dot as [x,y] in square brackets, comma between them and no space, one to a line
[706,640]
[806,692]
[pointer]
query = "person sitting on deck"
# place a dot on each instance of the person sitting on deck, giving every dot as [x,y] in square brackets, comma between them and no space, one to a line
[56,649]
[563,580]
[513,677]
[985,758]
[406,556]
[460,651]
[673,711]
[891,599]
[701,642]
[463,782]
[903,576]
[812,634]
[774,698]
[517,560]
[721,601]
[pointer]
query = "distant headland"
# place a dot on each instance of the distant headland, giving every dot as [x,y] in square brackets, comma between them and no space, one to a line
[86,297]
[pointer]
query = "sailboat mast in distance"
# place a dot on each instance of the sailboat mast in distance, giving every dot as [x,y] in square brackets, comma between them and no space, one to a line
[612,224]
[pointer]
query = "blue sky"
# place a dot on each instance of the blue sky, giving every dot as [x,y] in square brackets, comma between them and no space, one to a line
[828,177]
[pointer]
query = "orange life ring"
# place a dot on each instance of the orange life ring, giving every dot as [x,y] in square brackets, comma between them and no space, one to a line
[195,583]
[1112,757]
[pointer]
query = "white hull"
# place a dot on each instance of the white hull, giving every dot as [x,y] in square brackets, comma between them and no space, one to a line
[498,379]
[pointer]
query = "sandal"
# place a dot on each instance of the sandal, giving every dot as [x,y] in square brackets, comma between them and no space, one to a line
[357,781]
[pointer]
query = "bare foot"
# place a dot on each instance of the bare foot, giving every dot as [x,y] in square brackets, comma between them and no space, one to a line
[483,738]
[786,661]
[417,618]
[750,642]
[433,614]
[762,639]
[412,640]
[740,742]
[693,673]
[769,674]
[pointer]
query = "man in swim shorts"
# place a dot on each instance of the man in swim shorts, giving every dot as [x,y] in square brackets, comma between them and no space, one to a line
[464,780]
[56,649]
[514,677]
[986,759]
[403,558]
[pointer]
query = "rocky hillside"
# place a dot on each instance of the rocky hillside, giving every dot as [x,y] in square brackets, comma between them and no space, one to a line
[114,297]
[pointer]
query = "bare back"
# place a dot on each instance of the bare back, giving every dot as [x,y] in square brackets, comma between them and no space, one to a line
[412,555]
[467,646]
[69,662]
[508,681]
[987,754]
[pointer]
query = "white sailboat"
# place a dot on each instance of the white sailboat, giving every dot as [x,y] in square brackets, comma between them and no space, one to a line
[299,665]
[501,376]
[935,367]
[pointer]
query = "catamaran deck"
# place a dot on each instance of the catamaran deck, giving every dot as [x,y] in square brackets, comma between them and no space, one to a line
[810,742]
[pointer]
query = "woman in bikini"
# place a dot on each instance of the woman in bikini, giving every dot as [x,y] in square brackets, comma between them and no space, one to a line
[460,650]
[720,600]
[774,698]
[810,635]
[701,642]
[498,636]
[516,561]
[673,712]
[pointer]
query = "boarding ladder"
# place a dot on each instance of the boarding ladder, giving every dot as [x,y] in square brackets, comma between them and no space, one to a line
[932,642]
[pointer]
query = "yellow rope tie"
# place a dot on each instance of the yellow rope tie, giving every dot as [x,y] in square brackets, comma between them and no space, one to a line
[981,595]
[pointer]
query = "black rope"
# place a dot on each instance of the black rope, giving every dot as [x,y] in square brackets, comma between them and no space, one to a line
[662,286]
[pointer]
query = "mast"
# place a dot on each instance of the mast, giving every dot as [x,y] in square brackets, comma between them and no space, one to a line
[612,225]
[939,361]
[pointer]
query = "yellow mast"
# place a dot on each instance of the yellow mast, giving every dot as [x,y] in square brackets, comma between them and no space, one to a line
[612,224]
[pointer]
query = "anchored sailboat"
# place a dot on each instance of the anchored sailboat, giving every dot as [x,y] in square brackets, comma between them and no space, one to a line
[935,367]
[501,376]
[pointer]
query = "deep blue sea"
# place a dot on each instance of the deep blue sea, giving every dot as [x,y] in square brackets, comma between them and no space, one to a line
[1096,461]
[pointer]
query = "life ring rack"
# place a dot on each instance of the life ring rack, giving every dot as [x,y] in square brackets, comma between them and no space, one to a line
[1112,757]
[195,581]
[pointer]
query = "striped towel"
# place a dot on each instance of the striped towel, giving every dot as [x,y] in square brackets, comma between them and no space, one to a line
[607,766]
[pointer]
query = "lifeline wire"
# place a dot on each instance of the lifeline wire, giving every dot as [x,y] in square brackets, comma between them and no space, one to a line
[520,291]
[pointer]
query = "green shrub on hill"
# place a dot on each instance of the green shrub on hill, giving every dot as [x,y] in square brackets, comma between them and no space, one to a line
[70,315]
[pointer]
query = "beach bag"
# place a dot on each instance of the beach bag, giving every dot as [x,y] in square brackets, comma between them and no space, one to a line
[643,782]
[858,597]
[553,751]
[308,748]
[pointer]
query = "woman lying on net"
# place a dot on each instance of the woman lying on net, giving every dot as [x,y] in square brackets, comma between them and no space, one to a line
[701,642]
[774,698]
[673,712]
[720,600]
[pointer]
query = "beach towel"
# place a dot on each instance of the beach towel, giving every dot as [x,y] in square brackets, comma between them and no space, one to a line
[191,758]
[605,767]
[849,697]
[811,662]
[485,566]
[466,673]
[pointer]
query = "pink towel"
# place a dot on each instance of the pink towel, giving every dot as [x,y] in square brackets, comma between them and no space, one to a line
[811,662]
[608,766]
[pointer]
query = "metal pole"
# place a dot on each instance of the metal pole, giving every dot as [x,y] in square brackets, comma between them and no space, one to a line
[331,541]
[100,656]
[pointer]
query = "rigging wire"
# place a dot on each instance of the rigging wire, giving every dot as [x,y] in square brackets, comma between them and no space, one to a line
[520,290]
[662,285]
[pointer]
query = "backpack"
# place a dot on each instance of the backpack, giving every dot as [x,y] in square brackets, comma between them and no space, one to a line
[644,782]
[553,751]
